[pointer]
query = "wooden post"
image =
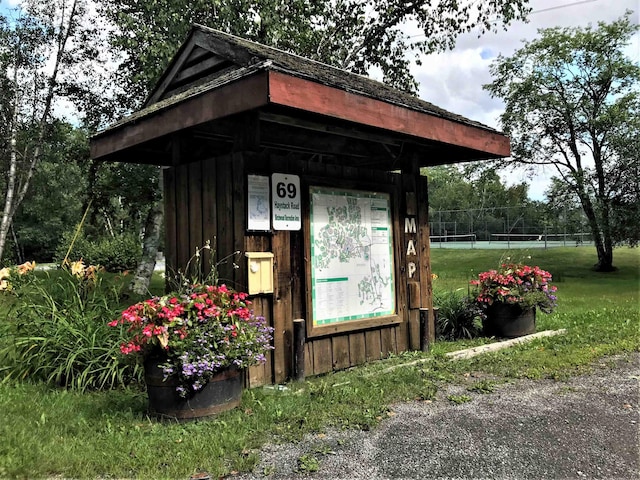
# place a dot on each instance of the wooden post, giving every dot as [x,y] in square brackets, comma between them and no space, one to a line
[299,331]
[424,329]
[433,325]
[427,328]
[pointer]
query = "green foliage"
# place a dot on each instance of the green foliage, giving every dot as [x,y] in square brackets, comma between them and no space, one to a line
[463,201]
[458,316]
[48,53]
[308,464]
[118,253]
[483,386]
[55,200]
[121,195]
[355,35]
[114,254]
[56,331]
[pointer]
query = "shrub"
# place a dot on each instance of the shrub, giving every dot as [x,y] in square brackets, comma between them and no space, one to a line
[458,315]
[114,254]
[117,254]
[56,330]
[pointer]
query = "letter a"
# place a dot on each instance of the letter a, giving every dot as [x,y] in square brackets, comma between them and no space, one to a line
[411,248]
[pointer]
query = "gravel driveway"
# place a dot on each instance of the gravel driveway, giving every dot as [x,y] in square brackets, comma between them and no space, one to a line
[584,427]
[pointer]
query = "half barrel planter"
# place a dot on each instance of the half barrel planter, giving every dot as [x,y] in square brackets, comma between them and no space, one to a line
[222,392]
[509,321]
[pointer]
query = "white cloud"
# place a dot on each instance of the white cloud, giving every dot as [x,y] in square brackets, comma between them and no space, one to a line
[10,3]
[453,80]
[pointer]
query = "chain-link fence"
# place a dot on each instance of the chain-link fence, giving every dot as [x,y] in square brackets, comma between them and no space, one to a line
[509,227]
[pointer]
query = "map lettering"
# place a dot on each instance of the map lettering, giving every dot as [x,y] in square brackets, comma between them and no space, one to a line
[411,248]
[410,225]
[411,269]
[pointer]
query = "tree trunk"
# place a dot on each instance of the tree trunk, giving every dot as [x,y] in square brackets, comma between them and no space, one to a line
[601,240]
[16,244]
[7,213]
[140,283]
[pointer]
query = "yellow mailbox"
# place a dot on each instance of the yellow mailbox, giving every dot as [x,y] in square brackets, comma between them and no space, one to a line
[260,275]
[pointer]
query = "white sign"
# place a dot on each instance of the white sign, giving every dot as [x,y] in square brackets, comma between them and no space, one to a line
[286,205]
[258,206]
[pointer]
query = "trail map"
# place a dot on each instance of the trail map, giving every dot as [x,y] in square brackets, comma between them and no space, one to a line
[351,255]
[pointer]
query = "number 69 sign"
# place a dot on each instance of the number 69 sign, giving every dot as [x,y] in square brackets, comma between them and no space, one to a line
[285,202]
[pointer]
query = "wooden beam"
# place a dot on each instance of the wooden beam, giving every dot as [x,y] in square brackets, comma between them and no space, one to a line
[245,94]
[332,129]
[493,347]
[174,67]
[197,69]
[196,55]
[225,49]
[287,90]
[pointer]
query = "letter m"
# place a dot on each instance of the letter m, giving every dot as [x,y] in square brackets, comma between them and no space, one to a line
[410,225]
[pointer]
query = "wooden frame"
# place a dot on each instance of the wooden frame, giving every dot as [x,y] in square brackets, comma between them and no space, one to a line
[356,324]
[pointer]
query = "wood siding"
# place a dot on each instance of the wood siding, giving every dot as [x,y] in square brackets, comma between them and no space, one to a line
[206,200]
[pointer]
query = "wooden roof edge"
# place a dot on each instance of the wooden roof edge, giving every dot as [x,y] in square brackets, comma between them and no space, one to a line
[433,112]
[266,65]
[174,64]
[183,96]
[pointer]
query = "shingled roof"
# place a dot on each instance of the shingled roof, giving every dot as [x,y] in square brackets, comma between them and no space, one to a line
[262,56]
[209,60]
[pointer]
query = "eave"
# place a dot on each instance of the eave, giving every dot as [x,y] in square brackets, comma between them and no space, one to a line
[261,88]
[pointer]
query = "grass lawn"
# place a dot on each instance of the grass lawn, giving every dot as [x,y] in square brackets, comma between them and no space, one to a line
[47,432]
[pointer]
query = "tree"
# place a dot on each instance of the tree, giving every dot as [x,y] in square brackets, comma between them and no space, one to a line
[53,204]
[572,101]
[355,35]
[475,201]
[43,58]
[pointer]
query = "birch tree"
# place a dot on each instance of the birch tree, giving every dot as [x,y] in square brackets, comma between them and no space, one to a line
[42,61]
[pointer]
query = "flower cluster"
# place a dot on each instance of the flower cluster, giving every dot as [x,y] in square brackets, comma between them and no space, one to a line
[196,333]
[6,274]
[515,283]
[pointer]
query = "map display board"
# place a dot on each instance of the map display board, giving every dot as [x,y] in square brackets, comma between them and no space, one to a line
[352,273]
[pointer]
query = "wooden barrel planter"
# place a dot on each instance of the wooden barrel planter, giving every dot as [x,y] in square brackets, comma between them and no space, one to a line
[223,392]
[509,321]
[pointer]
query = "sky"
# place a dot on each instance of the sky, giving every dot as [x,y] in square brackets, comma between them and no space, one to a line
[453,80]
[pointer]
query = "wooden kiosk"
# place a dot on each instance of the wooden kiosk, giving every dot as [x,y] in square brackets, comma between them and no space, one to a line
[313,173]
